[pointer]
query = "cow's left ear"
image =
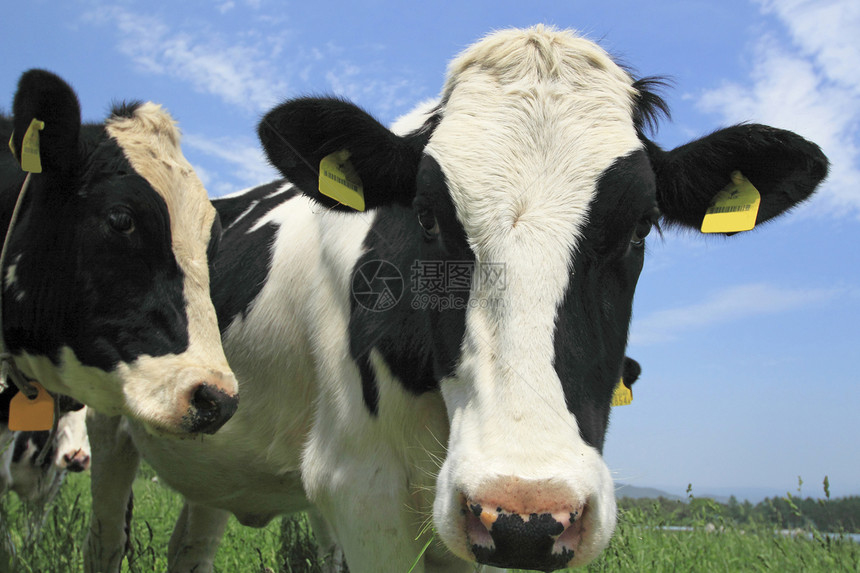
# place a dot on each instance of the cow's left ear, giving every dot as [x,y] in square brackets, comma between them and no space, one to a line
[44,96]
[299,133]
[783,166]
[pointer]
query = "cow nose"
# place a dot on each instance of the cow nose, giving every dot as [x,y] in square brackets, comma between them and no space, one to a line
[541,541]
[210,408]
[76,461]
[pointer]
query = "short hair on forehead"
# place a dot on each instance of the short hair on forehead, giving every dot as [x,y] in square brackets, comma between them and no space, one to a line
[545,53]
[540,53]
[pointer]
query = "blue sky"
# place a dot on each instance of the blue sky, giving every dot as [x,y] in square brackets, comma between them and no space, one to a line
[748,345]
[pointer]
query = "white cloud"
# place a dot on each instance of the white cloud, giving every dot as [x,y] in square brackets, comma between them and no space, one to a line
[389,97]
[242,159]
[239,72]
[826,30]
[810,85]
[253,66]
[729,305]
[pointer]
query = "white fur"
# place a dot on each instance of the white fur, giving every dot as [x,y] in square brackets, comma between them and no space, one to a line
[414,119]
[522,151]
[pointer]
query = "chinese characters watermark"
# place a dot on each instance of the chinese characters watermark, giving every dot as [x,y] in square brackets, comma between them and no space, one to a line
[438,285]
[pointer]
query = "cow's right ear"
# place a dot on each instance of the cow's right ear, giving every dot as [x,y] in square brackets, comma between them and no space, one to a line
[299,133]
[46,97]
[784,167]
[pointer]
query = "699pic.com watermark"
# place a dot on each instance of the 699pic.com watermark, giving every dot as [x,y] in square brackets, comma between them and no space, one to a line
[379,285]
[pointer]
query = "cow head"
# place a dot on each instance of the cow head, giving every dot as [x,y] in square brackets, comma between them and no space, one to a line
[68,451]
[106,279]
[533,164]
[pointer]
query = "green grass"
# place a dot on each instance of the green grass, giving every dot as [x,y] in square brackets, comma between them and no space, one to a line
[639,544]
[59,546]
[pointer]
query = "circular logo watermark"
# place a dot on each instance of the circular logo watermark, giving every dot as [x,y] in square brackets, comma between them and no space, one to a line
[377,285]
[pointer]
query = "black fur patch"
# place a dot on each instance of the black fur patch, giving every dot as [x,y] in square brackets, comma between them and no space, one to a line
[80,280]
[593,320]
[243,262]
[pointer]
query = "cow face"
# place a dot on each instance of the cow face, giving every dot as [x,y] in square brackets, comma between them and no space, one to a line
[69,451]
[106,283]
[534,169]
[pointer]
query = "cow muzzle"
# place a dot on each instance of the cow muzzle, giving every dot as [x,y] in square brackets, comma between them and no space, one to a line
[209,408]
[514,522]
[75,461]
[521,538]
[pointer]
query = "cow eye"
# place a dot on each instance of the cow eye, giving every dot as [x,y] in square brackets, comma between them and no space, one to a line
[643,228]
[641,231]
[429,224]
[121,221]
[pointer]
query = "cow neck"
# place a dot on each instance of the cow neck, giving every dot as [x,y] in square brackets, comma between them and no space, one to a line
[8,369]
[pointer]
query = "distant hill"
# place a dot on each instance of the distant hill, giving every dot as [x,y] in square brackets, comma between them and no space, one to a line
[719,494]
[632,491]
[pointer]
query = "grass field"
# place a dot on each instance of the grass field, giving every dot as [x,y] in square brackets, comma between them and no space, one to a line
[640,543]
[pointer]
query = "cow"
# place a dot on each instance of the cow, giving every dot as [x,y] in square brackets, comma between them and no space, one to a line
[36,481]
[105,280]
[441,365]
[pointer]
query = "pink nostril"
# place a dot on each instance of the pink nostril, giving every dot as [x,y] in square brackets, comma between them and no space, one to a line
[479,522]
[564,518]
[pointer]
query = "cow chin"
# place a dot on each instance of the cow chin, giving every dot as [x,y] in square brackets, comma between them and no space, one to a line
[518,522]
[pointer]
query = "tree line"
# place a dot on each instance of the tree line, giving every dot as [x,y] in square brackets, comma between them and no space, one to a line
[840,515]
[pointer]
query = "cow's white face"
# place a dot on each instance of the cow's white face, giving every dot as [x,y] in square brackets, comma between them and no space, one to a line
[107,291]
[528,127]
[533,171]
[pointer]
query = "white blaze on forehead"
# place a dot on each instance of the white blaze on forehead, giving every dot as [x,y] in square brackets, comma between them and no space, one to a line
[530,120]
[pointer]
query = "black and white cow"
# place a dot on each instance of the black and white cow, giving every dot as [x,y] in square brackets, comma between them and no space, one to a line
[106,279]
[448,356]
[37,482]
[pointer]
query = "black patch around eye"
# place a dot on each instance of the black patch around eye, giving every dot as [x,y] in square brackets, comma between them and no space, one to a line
[433,204]
[429,224]
[121,220]
[623,211]
[642,229]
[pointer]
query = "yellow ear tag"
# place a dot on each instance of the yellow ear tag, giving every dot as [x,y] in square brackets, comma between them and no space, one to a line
[34,415]
[12,146]
[339,180]
[734,208]
[623,395]
[30,160]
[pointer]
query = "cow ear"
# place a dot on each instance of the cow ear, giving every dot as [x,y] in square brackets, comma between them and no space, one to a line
[299,133]
[783,166]
[46,97]
[630,372]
